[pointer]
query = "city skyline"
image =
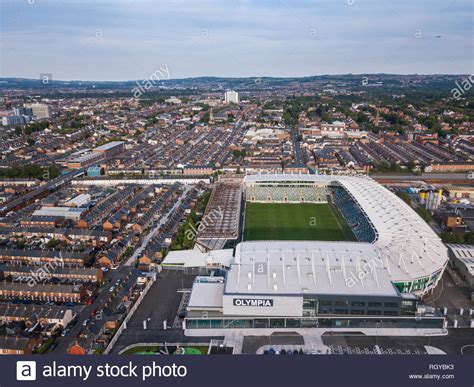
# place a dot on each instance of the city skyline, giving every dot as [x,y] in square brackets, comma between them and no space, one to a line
[130,40]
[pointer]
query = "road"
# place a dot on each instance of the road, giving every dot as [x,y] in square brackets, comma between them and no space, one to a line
[86,313]
[296,147]
[155,231]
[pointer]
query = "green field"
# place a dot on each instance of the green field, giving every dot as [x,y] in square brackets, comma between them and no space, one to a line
[303,221]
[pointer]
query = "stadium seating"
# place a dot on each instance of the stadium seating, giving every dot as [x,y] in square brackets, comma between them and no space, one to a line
[285,194]
[353,214]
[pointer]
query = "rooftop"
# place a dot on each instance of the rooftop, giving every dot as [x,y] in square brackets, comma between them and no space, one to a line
[26,311]
[108,146]
[295,267]
[465,254]
[206,294]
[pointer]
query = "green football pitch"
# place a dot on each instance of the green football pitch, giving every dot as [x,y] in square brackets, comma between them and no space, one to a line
[302,221]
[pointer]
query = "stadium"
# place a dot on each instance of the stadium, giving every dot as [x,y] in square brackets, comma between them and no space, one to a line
[318,251]
[364,211]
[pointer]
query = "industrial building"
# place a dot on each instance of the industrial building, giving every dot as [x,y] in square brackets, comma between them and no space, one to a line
[462,258]
[110,149]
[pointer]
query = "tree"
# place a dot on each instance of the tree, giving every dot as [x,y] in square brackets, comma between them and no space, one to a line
[449,237]
[238,153]
[31,171]
[206,117]
[424,214]
[52,243]
[405,197]
[469,238]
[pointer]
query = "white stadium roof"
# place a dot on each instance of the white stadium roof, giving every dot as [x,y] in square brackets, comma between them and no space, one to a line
[405,243]
[296,267]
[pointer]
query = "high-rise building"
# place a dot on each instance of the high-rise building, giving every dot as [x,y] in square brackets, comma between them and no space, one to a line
[231,97]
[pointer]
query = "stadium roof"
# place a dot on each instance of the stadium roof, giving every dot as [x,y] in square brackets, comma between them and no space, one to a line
[409,247]
[295,267]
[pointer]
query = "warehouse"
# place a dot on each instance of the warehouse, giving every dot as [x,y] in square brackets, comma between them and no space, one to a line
[62,212]
[110,149]
[462,258]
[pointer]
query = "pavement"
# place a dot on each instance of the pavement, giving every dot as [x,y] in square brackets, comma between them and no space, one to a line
[450,294]
[161,303]
[451,343]
[458,341]
[426,177]
[251,344]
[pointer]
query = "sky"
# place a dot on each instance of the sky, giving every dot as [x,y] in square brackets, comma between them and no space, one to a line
[131,39]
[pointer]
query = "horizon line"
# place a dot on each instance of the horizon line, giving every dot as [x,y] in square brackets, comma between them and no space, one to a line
[237,77]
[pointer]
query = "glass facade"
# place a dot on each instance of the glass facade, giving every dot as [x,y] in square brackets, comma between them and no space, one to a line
[322,322]
[416,285]
[314,306]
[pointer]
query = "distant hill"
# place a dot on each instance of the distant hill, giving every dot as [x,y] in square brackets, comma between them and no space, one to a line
[347,81]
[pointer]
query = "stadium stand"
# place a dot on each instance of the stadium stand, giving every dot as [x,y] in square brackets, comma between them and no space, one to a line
[353,214]
[294,193]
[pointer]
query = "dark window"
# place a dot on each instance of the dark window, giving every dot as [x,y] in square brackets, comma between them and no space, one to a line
[325,303]
[375,304]
[391,305]
[357,303]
